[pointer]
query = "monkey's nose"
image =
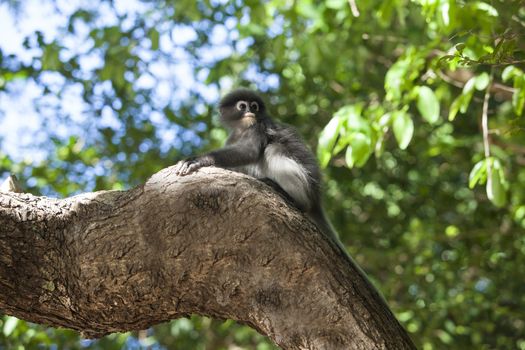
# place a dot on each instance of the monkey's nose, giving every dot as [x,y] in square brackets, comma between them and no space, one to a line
[249,115]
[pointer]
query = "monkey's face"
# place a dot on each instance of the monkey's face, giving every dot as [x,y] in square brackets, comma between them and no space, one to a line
[241,109]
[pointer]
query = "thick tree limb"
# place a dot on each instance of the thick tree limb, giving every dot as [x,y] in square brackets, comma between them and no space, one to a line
[215,243]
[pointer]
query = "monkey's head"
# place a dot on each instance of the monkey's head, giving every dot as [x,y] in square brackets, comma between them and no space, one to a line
[241,109]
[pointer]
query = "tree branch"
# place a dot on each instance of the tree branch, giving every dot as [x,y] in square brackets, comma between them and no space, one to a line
[215,243]
[460,77]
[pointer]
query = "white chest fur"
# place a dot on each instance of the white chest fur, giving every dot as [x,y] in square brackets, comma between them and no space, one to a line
[285,171]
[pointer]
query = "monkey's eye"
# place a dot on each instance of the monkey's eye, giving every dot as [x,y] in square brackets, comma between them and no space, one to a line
[242,105]
[254,106]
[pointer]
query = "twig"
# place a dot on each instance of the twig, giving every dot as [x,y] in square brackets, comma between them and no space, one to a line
[449,80]
[484,121]
[460,77]
[485,129]
[353,8]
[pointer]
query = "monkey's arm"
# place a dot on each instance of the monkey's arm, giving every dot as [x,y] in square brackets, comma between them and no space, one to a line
[241,153]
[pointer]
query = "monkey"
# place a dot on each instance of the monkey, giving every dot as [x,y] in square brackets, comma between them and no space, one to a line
[267,150]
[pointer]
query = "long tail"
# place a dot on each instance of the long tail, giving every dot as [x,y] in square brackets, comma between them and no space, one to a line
[319,217]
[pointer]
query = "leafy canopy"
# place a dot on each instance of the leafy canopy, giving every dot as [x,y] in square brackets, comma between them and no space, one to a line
[415,109]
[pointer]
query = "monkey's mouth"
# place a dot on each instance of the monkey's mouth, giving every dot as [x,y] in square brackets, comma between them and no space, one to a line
[248,119]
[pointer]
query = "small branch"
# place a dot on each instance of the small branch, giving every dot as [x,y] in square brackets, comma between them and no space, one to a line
[485,130]
[515,148]
[460,77]
[484,121]
[448,79]
[337,87]
[383,38]
[353,8]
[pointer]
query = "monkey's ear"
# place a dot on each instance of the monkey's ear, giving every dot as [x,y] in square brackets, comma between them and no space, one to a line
[226,111]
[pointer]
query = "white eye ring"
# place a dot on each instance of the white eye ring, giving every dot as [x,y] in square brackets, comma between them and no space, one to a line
[254,106]
[242,105]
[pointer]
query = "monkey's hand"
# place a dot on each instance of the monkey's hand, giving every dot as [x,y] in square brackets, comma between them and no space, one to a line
[188,166]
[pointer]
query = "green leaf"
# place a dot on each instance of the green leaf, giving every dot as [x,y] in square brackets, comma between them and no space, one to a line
[403,127]
[358,150]
[340,132]
[314,56]
[400,75]
[10,325]
[154,36]
[428,104]
[445,12]
[478,173]
[340,145]
[469,86]
[482,81]
[495,188]
[351,115]
[510,72]
[460,47]
[327,140]
[379,146]
[483,6]
[444,336]
[518,97]
[336,4]
[462,101]
[454,108]
[465,101]
[50,57]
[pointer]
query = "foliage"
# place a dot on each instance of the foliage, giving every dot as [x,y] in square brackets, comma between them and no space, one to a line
[415,109]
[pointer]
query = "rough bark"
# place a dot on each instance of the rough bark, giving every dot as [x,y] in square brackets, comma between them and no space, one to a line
[215,243]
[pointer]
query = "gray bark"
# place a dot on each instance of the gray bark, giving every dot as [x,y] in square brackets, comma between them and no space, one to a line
[215,243]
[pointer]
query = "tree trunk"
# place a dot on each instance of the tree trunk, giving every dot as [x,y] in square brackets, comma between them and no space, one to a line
[215,243]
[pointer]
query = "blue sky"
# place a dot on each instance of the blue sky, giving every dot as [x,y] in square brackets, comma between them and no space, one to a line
[21,127]
[20,123]
[20,120]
